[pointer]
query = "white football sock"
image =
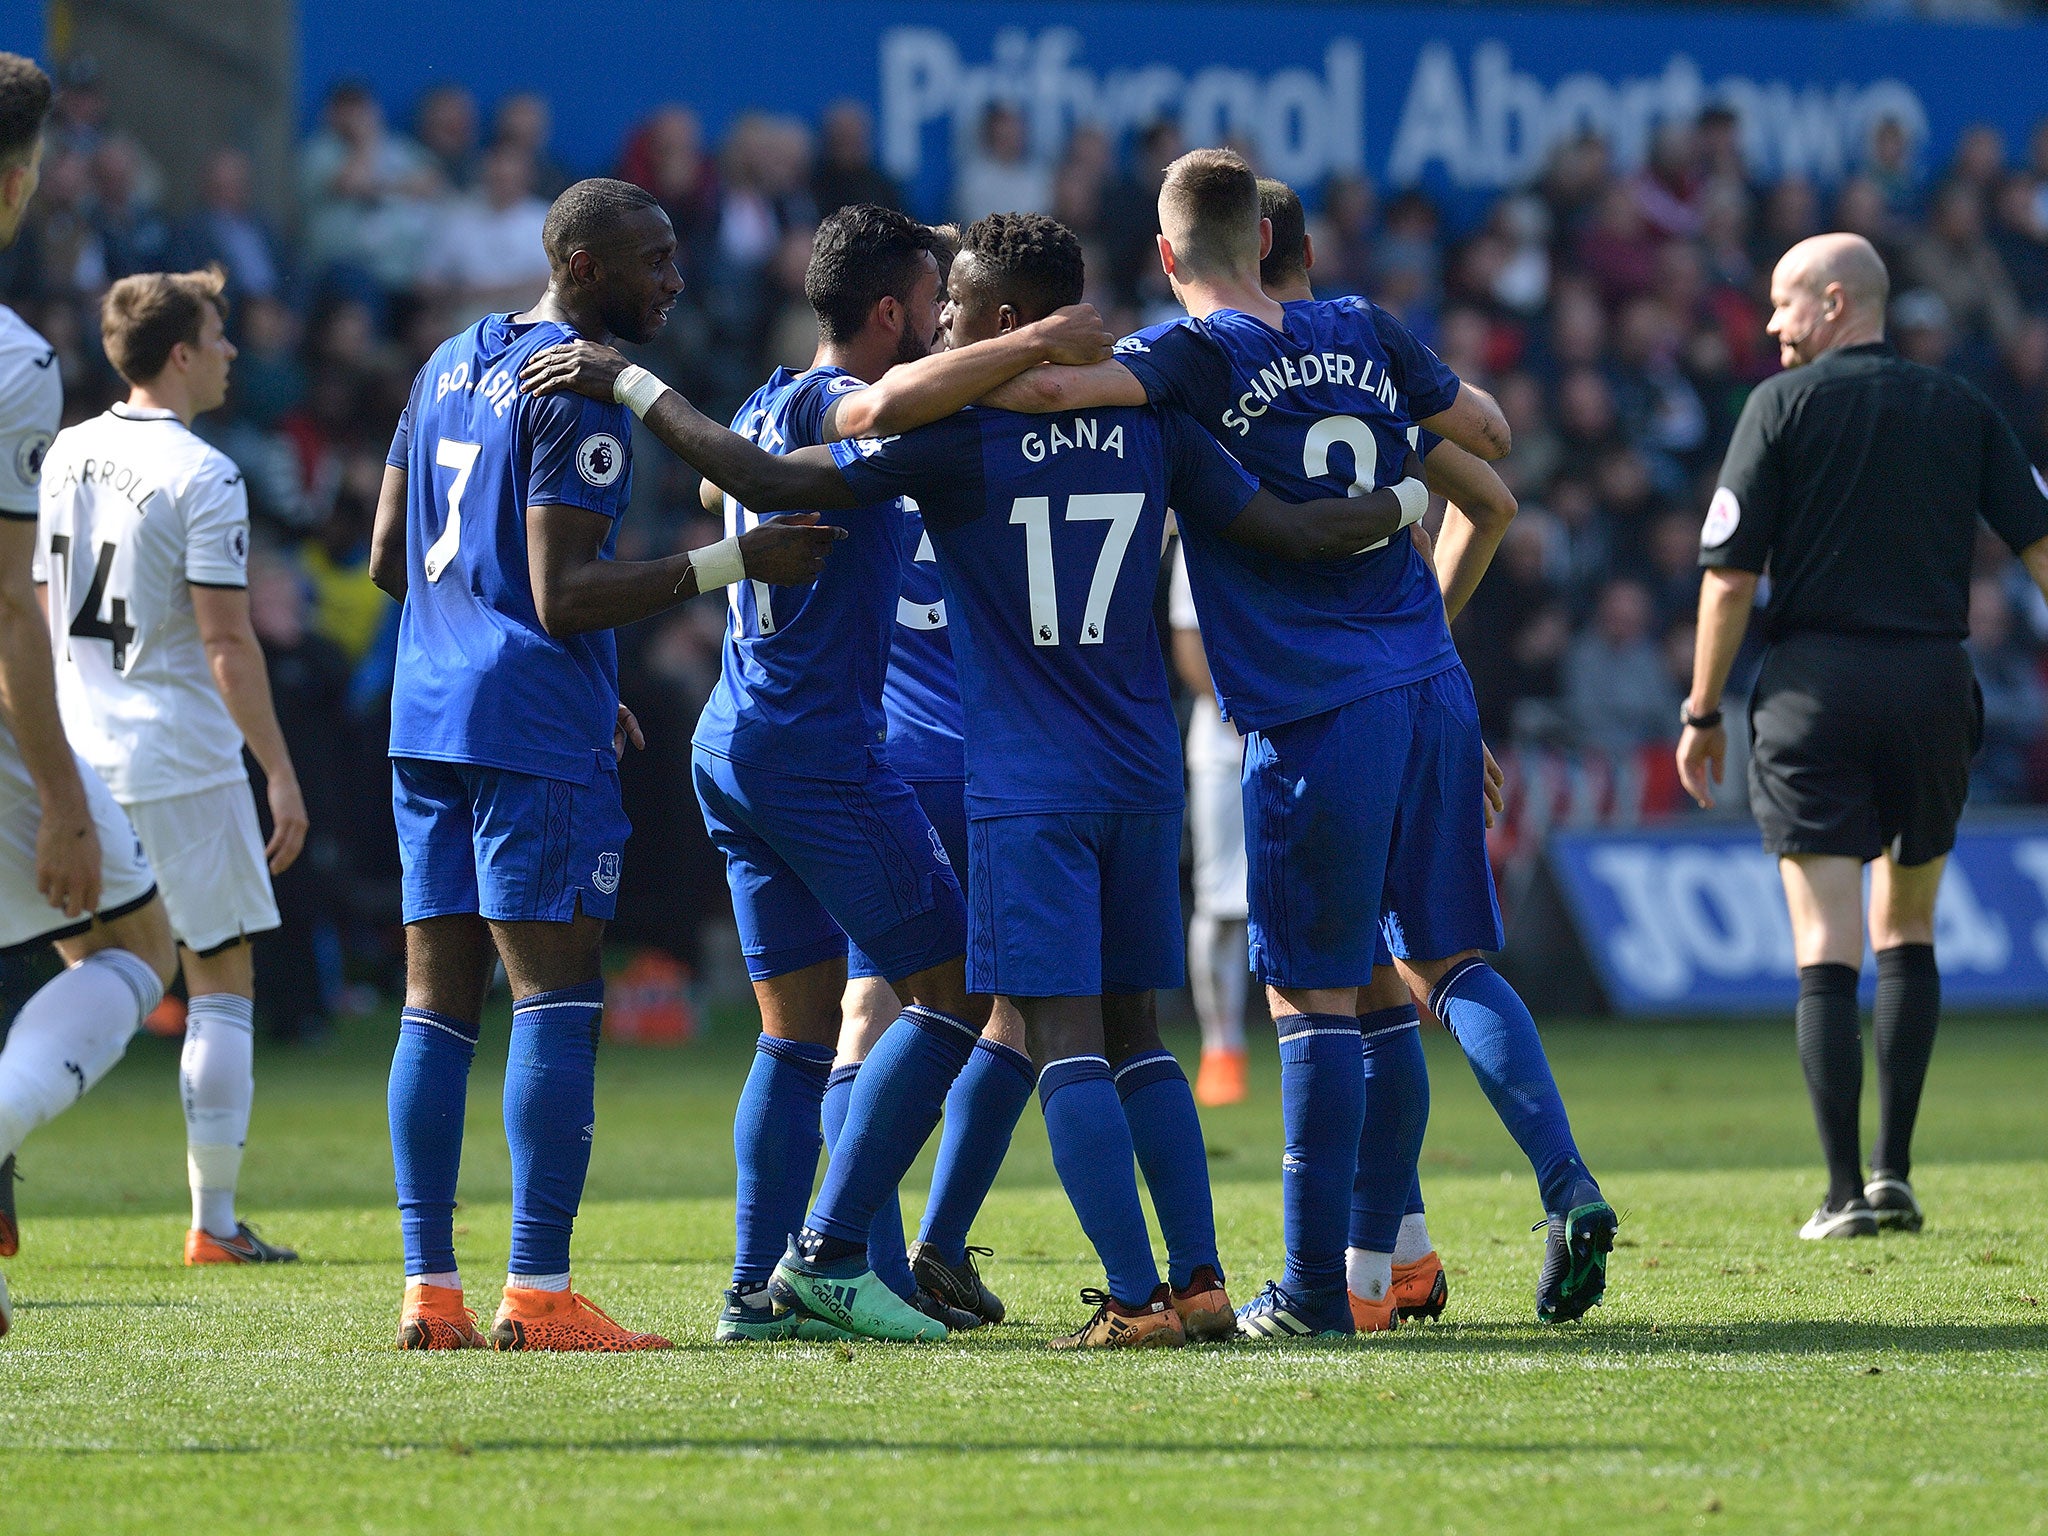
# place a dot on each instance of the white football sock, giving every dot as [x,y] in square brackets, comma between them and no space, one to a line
[217,1081]
[1368,1274]
[450,1278]
[1218,969]
[1414,1241]
[538,1282]
[68,1036]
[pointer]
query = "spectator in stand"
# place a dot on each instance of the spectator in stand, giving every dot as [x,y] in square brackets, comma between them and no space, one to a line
[2015,702]
[227,231]
[368,196]
[1343,236]
[1131,207]
[71,251]
[1672,573]
[1861,209]
[1920,327]
[525,121]
[846,171]
[1616,687]
[79,124]
[765,190]
[1979,160]
[1892,167]
[486,253]
[1516,589]
[1667,189]
[1521,284]
[1539,451]
[1619,248]
[2018,386]
[445,123]
[1954,259]
[665,155]
[2019,234]
[1407,259]
[1791,213]
[136,235]
[999,173]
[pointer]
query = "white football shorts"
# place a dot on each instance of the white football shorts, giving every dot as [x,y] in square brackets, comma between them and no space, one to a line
[208,853]
[1215,757]
[126,880]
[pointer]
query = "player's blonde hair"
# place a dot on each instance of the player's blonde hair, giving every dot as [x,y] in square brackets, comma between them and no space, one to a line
[144,316]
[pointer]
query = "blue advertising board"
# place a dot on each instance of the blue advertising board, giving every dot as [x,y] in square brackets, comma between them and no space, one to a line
[1464,100]
[1692,921]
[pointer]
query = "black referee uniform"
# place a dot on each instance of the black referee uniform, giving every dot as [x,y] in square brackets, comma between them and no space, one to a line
[1857,481]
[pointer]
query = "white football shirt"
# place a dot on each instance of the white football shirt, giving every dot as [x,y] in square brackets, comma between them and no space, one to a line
[134,507]
[31,405]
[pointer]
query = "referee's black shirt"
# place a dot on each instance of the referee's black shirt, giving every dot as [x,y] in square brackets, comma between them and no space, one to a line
[1859,479]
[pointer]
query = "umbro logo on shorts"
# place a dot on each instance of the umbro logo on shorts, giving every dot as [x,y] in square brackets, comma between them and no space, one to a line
[606,876]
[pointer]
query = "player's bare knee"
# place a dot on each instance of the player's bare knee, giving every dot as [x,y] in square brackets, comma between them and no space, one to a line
[449,963]
[1284,1001]
[804,1005]
[1130,1025]
[229,969]
[144,933]
[942,986]
[868,1009]
[1387,989]
[1005,1024]
[1059,1027]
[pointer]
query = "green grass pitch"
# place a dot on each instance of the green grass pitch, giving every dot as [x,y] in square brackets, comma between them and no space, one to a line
[1737,1379]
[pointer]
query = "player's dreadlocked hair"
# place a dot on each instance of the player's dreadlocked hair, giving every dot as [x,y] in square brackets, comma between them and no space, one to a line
[862,254]
[1280,205]
[24,103]
[1035,262]
[588,214]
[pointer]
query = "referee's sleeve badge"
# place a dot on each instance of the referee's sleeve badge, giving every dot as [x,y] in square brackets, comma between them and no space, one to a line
[1724,512]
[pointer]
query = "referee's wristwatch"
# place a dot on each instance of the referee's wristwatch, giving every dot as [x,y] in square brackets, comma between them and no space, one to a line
[1704,722]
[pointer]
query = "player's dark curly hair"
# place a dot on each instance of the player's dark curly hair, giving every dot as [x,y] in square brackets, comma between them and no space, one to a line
[586,217]
[862,254]
[1033,263]
[24,103]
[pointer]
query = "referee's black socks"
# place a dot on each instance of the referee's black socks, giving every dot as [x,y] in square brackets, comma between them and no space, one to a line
[1908,1011]
[1831,1051]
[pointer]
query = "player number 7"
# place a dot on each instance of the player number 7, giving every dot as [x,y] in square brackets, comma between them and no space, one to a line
[460,457]
[1121,510]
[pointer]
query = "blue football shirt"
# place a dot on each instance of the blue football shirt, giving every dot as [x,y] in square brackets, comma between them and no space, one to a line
[1048,531]
[921,694]
[1324,408]
[477,679]
[800,685]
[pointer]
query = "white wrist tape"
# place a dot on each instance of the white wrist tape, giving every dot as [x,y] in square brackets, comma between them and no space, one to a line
[718,565]
[1414,498]
[637,389]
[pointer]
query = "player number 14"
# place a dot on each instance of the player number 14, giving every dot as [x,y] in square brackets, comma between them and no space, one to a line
[1121,510]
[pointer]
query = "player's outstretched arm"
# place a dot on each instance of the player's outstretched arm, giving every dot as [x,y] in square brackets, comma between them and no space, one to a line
[576,590]
[1476,519]
[239,673]
[760,481]
[1333,526]
[387,535]
[1473,421]
[67,843]
[934,387]
[1059,388]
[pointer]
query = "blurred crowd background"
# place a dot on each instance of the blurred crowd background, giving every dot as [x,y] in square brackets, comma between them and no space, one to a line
[1618,316]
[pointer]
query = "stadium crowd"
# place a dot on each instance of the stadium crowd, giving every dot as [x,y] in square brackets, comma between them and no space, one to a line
[1616,313]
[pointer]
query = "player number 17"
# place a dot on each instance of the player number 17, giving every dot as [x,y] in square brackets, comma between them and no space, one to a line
[1121,510]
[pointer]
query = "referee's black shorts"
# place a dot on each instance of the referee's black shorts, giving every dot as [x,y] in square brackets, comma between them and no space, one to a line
[1861,745]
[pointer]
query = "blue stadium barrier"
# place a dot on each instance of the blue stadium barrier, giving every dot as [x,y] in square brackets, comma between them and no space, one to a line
[1691,920]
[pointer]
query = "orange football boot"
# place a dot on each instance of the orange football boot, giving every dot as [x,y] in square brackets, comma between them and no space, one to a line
[562,1320]
[1221,1079]
[1154,1325]
[1374,1316]
[1205,1311]
[1419,1288]
[245,1247]
[434,1317]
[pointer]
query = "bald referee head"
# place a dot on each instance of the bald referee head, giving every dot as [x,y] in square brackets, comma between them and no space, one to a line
[1858,478]
[1827,291]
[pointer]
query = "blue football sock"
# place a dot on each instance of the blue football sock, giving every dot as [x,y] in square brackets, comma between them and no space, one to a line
[894,1107]
[775,1141]
[1396,1115]
[1167,1133]
[1414,1207]
[886,1255]
[1499,1038]
[981,1114]
[1091,1149]
[1322,1105]
[429,1089]
[550,1113]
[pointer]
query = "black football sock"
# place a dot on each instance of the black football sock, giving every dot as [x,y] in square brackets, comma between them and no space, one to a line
[1831,1051]
[1907,1014]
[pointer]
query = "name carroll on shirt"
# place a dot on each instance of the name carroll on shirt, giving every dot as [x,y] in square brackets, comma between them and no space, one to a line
[1303,370]
[129,484]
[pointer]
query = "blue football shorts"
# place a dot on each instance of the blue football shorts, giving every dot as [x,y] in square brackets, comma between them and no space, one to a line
[511,847]
[1365,828]
[945,807]
[1075,904]
[814,863]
